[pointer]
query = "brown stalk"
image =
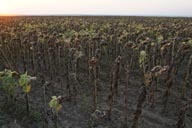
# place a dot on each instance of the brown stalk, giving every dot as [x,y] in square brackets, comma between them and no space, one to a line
[140,102]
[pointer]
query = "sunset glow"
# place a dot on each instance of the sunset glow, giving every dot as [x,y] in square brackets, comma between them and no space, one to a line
[96,7]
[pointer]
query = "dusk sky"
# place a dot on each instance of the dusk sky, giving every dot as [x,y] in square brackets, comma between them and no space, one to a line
[97,7]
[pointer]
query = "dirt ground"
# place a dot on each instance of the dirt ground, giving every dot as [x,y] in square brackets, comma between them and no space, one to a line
[80,114]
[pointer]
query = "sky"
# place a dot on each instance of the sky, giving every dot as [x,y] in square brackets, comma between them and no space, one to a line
[97,7]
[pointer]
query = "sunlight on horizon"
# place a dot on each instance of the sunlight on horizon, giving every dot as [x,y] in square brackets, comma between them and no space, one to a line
[96,7]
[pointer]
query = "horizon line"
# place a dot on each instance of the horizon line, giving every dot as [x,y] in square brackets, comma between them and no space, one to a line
[128,15]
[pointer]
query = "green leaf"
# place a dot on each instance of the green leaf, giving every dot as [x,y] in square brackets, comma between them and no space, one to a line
[54,103]
[83,33]
[8,82]
[23,79]
[190,42]
[159,39]
[142,57]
